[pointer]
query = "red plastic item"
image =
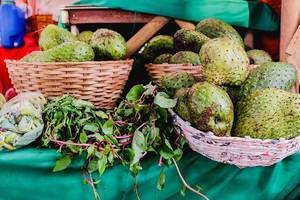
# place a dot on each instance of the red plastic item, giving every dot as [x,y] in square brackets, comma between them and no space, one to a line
[10,93]
[30,44]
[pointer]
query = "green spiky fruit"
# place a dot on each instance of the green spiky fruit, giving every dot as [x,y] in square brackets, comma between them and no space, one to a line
[156,46]
[210,109]
[224,62]
[163,58]
[52,36]
[35,56]
[214,28]
[173,81]
[269,114]
[258,57]
[66,52]
[181,107]
[108,45]
[185,57]
[189,40]
[85,36]
[270,75]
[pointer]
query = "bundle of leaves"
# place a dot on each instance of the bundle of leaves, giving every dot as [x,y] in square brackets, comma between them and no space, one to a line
[139,125]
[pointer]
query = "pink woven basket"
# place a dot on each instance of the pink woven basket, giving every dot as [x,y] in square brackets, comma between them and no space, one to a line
[242,152]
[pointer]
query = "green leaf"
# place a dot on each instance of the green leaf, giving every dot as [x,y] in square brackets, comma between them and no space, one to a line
[134,169]
[102,114]
[91,127]
[93,165]
[107,127]
[135,93]
[78,103]
[166,151]
[83,137]
[183,190]
[62,163]
[138,145]
[99,137]
[102,164]
[162,100]
[161,181]
[91,150]
[178,154]
[110,157]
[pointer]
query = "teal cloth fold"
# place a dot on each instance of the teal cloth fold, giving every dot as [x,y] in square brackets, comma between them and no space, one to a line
[27,174]
[249,14]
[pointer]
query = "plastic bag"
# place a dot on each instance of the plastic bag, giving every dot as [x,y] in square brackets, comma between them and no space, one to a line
[21,120]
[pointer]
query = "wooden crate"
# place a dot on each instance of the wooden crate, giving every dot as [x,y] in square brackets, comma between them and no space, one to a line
[38,22]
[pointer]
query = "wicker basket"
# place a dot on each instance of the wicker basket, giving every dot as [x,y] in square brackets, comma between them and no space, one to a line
[242,152]
[101,83]
[156,71]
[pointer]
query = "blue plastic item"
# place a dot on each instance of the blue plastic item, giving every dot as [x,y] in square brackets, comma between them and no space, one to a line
[12,24]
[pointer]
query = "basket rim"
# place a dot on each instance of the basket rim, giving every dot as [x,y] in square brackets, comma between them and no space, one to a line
[233,138]
[129,61]
[168,64]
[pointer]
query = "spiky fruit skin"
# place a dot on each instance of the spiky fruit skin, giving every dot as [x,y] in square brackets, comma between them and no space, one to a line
[278,75]
[269,114]
[35,56]
[156,46]
[108,45]
[181,107]
[258,57]
[85,36]
[163,58]
[214,28]
[174,81]
[185,57]
[52,36]
[224,62]
[189,40]
[66,52]
[210,109]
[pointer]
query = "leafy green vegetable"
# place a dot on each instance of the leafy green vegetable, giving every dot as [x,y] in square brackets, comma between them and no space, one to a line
[62,163]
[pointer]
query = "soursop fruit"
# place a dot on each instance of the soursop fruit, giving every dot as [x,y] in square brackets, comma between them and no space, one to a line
[85,36]
[214,28]
[185,57]
[181,107]
[279,75]
[163,58]
[156,46]
[52,36]
[35,56]
[210,109]
[269,114]
[108,45]
[224,62]
[189,40]
[258,57]
[66,52]
[173,81]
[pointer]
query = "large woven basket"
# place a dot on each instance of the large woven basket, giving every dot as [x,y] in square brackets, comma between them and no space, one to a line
[156,71]
[101,83]
[242,152]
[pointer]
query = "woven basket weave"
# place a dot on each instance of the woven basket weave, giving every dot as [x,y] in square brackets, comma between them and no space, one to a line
[156,71]
[242,152]
[101,83]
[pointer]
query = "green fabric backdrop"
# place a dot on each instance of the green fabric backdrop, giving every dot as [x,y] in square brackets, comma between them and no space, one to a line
[26,175]
[250,14]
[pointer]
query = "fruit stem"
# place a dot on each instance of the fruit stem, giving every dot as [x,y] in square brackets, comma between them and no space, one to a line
[185,184]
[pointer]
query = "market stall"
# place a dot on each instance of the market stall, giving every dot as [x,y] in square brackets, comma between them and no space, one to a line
[176,100]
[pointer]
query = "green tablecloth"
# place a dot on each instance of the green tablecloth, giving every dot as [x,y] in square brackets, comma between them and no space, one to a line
[26,175]
[249,14]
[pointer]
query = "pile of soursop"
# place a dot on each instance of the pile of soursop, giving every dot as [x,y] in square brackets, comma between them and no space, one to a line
[231,100]
[59,45]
